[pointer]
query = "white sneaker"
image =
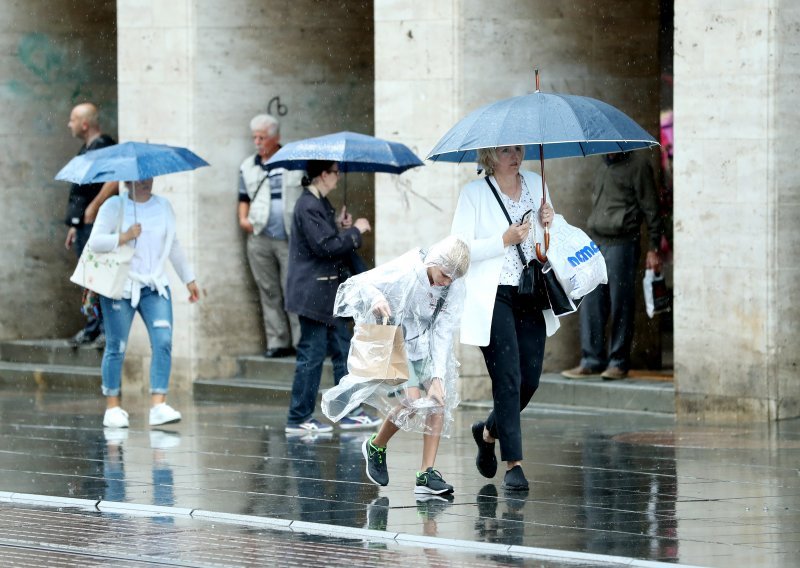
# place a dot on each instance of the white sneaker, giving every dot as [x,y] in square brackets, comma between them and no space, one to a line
[115,418]
[163,414]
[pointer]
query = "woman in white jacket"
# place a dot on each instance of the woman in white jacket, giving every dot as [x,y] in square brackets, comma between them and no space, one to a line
[149,223]
[509,327]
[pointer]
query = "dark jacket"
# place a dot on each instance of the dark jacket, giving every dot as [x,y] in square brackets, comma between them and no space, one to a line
[317,251]
[80,196]
[623,194]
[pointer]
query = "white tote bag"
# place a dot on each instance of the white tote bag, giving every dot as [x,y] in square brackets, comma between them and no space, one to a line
[105,272]
[576,259]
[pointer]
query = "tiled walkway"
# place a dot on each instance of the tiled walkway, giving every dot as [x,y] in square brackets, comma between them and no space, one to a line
[630,485]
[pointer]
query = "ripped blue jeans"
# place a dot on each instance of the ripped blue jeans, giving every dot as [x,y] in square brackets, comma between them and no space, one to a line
[156,313]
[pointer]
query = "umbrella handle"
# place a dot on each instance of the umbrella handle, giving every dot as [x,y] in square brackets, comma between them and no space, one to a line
[542,255]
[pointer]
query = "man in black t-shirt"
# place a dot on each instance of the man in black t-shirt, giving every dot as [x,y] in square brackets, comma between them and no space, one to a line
[82,206]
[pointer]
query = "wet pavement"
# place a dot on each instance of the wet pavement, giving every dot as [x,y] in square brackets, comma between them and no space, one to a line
[632,485]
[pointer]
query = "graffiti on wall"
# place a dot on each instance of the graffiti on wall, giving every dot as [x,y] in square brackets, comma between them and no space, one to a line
[54,77]
[276,108]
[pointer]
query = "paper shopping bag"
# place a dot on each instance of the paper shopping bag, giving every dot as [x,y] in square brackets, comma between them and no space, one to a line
[378,354]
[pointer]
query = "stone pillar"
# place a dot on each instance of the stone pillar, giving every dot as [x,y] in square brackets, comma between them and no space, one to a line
[194,73]
[736,210]
[47,66]
[436,62]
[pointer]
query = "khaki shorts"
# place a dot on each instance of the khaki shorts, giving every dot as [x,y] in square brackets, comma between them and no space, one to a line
[418,373]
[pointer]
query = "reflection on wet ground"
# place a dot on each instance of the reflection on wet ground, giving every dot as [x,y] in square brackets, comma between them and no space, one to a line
[634,485]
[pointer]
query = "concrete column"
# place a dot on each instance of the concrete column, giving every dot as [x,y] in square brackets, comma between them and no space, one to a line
[193,73]
[47,66]
[436,62]
[736,210]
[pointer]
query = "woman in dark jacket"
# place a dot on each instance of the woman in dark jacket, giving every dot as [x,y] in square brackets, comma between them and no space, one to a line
[319,249]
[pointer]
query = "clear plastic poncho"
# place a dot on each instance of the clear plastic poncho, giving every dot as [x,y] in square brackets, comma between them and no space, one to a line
[425,402]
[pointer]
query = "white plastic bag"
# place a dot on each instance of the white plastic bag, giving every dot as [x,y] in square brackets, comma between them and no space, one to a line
[576,259]
[656,294]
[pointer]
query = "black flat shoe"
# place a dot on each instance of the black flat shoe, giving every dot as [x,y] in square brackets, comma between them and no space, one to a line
[486,460]
[515,479]
[276,352]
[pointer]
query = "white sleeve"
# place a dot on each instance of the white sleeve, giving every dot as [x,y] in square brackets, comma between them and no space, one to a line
[177,256]
[104,237]
[180,263]
[464,226]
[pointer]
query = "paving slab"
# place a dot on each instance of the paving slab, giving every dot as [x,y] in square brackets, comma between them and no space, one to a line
[629,487]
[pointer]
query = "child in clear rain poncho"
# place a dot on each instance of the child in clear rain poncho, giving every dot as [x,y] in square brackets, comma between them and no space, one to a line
[423,293]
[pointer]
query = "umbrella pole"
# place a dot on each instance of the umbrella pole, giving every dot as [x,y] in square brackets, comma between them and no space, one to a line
[344,198]
[542,256]
[133,198]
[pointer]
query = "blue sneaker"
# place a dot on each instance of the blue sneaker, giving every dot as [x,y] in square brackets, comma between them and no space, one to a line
[357,420]
[312,425]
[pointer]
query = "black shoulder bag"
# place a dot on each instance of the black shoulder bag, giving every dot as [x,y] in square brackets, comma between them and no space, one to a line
[547,290]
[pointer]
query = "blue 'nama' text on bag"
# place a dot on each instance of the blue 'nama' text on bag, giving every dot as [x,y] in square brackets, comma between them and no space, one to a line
[583,254]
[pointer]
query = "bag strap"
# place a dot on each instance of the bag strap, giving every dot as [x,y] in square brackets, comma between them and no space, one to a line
[258,187]
[508,217]
[439,304]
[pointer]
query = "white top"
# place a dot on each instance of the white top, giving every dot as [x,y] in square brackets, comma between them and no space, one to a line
[480,222]
[512,265]
[152,247]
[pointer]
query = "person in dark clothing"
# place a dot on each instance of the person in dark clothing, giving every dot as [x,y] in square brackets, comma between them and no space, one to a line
[320,247]
[82,207]
[623,194]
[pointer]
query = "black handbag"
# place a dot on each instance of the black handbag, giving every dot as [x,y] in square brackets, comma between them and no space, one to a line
[350,265]
[558,299]
[534,280]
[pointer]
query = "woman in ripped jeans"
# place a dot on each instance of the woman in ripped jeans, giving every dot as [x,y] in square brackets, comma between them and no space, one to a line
[149,222]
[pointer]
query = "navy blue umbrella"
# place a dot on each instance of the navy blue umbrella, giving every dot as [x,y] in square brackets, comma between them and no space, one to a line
[129,161]
[355,153]
[548,125]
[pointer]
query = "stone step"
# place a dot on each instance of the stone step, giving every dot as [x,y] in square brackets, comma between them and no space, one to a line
[629,394]
[279,370]
[242,389]
[50,376]
[639,395]
[49,352]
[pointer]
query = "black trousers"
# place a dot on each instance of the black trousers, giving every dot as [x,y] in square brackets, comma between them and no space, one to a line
[514,360]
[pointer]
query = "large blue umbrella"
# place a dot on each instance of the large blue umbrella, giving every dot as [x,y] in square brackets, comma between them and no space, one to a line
[355,153]
[548,125]
[129,161]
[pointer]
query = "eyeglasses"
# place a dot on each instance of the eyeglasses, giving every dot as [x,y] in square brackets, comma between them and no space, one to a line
[336,172]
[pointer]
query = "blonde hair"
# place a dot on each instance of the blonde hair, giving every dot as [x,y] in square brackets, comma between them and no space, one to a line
[451,253]
[487,159]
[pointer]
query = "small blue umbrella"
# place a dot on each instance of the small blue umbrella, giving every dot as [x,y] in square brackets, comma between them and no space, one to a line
[129,161]
[355,153]
[548,125]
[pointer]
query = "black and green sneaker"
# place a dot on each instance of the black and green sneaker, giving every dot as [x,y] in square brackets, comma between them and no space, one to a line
[377,471]
[430,481]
